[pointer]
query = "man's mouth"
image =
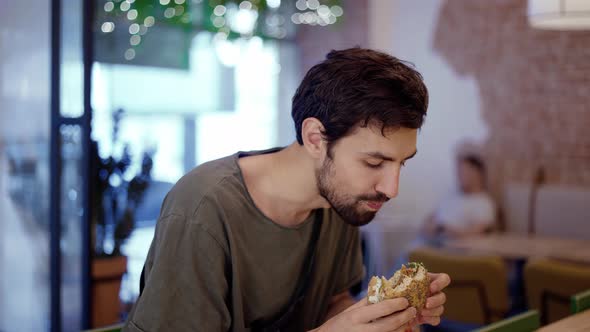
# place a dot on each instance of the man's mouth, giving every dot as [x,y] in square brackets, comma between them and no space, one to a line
[374,205]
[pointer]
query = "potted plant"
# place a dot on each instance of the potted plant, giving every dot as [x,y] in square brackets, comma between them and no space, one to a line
[114,201]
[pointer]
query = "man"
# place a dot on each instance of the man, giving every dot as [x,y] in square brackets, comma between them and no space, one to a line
[470,211]
[231,248]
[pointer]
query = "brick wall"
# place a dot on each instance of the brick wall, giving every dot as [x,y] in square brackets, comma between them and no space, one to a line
[534,86]
[316,41]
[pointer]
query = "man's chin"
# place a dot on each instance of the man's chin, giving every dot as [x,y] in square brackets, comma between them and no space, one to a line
[360,219]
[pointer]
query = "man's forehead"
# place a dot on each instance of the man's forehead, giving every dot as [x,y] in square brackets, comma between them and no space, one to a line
[374,127]
[384,156]
[393,144]
[399,134]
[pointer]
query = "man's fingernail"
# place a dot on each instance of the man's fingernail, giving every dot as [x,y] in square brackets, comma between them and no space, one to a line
[413,311]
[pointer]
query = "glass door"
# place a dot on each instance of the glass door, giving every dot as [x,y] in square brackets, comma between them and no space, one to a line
[44,132]
[25,87]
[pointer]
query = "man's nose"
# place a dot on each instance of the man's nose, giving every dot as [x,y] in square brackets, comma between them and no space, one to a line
[389,184]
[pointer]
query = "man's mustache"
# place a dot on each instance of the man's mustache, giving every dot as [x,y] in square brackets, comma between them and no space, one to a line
[374,198]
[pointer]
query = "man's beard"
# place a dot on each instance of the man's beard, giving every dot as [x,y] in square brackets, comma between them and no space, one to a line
[347,206]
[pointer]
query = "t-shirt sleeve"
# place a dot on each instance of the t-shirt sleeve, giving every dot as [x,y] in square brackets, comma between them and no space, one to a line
[186,285]
[351,270]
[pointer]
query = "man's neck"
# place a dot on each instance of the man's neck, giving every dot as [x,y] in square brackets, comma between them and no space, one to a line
[283,185]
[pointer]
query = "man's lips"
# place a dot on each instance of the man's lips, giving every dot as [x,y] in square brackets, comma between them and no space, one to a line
[374,205]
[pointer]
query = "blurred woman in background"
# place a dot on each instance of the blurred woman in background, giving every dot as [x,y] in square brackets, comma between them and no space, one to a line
[470,210]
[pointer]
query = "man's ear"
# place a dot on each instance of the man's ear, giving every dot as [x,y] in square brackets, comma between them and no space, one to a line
[313,140]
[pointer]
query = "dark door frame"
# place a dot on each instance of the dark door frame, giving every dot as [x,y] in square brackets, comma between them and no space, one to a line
[83,121]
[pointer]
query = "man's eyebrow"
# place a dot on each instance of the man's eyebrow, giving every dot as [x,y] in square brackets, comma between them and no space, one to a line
[412,155]
[380,155]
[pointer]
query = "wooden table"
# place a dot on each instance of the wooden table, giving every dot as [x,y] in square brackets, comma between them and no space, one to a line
[575,323]
[522,247]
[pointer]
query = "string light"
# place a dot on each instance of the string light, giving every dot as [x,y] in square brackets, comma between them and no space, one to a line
[231,18]
[149,21]
[132,14]
[169,12]
[107,27]
[134,28]
[109,6]
[219,10]
[129,54]
[135,40]
[125,5]
[312,12]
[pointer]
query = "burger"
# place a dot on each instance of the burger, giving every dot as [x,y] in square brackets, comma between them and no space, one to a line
[411,282]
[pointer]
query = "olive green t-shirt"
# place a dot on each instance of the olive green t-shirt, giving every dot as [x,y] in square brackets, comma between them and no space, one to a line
[217,263]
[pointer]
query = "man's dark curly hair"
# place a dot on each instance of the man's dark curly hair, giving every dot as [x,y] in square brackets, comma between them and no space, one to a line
[360,87]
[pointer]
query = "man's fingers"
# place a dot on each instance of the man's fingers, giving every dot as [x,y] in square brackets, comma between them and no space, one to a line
[436,300]
[438,311]
[430,320]
[439,282]
[398,321]
[384,308]
[362,303]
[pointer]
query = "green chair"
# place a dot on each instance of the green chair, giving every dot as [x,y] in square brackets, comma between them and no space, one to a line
[580,301]
[478,293]
[525,322]
[110,328]
[551,283]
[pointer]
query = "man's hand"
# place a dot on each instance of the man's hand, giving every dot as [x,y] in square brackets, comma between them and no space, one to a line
[435,303]
[389,315]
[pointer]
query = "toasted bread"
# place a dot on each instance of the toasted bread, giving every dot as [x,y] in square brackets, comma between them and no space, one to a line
[411,282]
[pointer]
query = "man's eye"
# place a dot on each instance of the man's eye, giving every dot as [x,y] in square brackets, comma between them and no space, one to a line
[373,165]
[403,163]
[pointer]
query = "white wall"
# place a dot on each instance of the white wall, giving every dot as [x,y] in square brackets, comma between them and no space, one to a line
[454,112]
[405,29]
[24,133]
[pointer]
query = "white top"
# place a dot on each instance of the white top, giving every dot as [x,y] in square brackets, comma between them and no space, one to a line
[462,210]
